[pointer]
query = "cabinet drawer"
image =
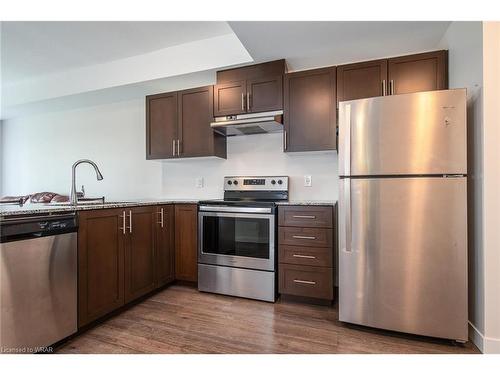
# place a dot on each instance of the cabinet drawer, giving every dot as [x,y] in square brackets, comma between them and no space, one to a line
[307,256]
[306,216]
[309,237]
[306,281]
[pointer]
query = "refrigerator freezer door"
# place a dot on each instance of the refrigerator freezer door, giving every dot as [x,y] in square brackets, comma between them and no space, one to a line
[422,133]
[404,267]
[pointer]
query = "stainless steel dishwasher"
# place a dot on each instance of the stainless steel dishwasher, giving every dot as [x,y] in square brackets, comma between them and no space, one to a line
[38,282]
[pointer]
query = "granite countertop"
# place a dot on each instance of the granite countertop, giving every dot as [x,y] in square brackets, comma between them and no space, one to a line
[47,208]
[306,203]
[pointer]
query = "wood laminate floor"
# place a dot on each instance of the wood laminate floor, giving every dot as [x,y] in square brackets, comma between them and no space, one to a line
[180,319]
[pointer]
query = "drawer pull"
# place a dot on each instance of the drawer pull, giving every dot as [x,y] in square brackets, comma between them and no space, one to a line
[304,216]
[304,256]
[304,282]
[305,237]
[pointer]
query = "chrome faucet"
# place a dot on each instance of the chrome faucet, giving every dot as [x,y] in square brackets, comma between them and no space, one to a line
[73,197]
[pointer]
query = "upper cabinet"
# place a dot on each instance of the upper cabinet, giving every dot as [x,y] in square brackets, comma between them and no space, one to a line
[362,80]
[250,89]
[178,125]
[310,111]
[398,75]
[422,72]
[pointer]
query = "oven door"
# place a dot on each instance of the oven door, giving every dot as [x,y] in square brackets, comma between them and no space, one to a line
[238,239]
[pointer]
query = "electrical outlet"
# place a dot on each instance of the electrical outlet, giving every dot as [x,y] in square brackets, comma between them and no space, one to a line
[199,182]
[308,181]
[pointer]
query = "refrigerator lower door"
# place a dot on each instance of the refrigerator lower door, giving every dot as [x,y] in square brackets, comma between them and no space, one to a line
[403,255]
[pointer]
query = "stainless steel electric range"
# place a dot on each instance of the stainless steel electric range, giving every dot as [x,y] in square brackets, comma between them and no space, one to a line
[238,238]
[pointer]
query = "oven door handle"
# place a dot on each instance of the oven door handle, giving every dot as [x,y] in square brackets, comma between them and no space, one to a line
[252,210]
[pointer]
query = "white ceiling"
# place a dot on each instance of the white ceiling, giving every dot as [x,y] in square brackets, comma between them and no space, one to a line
[314,44]
[38,48]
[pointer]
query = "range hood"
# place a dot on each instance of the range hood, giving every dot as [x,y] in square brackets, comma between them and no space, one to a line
[249,123]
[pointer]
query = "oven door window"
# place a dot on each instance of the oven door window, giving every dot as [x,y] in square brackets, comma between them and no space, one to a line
[236,236]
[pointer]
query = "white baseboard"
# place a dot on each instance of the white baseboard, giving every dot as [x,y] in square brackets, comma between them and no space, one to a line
[487,345]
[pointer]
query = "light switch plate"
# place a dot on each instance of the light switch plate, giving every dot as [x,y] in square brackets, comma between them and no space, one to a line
[307,181]
[199,182]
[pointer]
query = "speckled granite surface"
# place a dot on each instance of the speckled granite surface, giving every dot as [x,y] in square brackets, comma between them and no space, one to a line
[306,203]
[42,208]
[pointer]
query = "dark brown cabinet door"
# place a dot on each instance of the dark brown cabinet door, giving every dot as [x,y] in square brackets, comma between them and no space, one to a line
[422,72]
[101,244]
[265,94]
[362,80]
[196,137]
[230,98]
[140,252]
[165,245]
[310,110]
[161,125]
[186,242]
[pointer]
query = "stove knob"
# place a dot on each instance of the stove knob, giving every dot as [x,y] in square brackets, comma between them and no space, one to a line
[280,182]
[229,182]
[235,182]
[273,182]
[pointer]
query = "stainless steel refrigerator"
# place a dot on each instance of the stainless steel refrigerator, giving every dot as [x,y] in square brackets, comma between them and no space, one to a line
[403,213]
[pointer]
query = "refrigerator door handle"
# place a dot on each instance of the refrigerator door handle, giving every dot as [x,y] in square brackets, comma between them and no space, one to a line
[347,141]
[345,237]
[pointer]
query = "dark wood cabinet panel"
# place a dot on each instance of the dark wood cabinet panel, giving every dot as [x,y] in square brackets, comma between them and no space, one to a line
[256,71]
[362,80]
[306,281]
[315,237]
[421,72]
[165,245]
[196,137]
[186,242]
[140,252]
[306,216]
[101,244]
[230,98]
[306,256]
[310,110]
[265,94]
[161,125]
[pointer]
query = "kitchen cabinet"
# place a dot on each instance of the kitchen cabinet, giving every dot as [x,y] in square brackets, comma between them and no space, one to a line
[421,72]
[362,80]
[139,271]
[186,242]
[178,125]
[310,110]
[161,125]
[250,89]
[101,250]
[305,245]
[165,245]
[398,75]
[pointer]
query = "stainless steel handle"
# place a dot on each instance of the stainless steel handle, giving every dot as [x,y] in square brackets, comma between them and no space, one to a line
[304,282]
[130,221]
[264,210]
[303,256]
[391,86]
[304,237]
[248,101]
[304,216]
[285,141]
[346,202]
[384,89]
[123,227]
[347,141]
[161,217]
[242,101]
[173,147]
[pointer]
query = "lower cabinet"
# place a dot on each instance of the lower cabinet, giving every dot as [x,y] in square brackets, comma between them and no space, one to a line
[122,255]
[306,242]
[186,242]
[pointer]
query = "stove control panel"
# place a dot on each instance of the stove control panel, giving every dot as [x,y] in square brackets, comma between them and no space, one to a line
[257,183]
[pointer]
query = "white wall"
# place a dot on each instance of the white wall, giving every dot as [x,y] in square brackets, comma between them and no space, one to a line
[38,151]
[491,218]
[465,45]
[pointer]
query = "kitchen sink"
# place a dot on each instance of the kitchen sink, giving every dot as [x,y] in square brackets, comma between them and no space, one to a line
[89,203]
